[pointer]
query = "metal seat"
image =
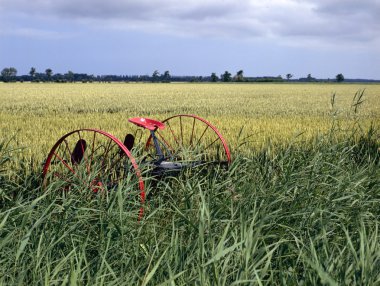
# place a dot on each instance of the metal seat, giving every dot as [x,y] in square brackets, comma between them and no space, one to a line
[147,123]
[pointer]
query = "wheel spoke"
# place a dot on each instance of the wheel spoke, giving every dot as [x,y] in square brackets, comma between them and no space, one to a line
[200,139]
[64,163]
[111,166]
[212,143]
[180,122]
[192,133]
[99,161]
[67,149]
[165,141]
[84,153]
[92,152]
[171,130]
[204,131]
[105,154]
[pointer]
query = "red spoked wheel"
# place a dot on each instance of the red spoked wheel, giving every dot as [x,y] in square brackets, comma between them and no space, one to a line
[92,161]
[191,138]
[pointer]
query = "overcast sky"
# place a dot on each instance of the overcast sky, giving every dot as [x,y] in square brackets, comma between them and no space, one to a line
[193,37]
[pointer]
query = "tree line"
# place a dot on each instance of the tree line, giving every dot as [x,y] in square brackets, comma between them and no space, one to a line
[9,74]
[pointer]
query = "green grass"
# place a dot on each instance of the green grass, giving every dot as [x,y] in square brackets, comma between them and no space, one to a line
[303,214]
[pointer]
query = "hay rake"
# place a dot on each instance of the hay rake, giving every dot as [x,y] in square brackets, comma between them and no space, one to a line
[97,160]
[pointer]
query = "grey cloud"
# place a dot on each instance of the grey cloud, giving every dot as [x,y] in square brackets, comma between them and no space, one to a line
[324,20]
[349,7]
[212,11]
[350,19]
[96,9]
[103,10]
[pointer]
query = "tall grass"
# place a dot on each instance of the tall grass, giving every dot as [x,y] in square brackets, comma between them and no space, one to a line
[305,214]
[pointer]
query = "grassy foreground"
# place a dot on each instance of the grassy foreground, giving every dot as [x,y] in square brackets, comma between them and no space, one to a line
[307,214]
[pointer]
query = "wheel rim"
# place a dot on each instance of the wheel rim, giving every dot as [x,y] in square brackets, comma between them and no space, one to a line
[192,138]
[94,160]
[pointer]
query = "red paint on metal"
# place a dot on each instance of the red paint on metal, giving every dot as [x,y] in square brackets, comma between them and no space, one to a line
[114,139]
[147,123]
[224,142]
[96,186]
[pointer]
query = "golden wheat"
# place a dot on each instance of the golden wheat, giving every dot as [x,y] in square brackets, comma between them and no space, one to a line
[38,114]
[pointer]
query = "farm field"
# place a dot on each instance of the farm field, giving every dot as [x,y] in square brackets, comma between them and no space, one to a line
[299,205]
[253,114]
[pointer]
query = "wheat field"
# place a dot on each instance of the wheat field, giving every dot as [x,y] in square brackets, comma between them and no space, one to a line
[248,115]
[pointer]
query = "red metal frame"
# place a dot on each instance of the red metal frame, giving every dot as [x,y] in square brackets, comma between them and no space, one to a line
[147,123]
[224,142]
[115,140]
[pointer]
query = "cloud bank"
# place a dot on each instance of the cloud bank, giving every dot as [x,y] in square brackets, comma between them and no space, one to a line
[296,20]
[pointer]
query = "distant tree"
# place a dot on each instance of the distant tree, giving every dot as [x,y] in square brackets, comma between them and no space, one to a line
[239,75]
[214,77]
[12,72]
[49,73]
[166,76]
[310,78]
[339,77]
[5,74]
[289,76]
[8,74]
[196,79]
[226,77]
[70,76]
[156,75]
[32,72]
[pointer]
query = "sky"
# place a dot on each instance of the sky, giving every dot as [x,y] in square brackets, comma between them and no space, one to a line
[193,37]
